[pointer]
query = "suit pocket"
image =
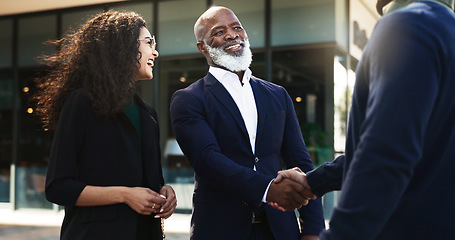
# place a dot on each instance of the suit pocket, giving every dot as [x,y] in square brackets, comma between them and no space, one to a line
[97,214]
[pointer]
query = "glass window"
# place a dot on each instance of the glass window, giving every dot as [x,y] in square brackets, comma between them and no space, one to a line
[33,33]
[33,148]
[301,22]
[344,81]
[251,15]
[178,74]
[176,22]
[6,134]
[6,43]
[73,20]
[144,9]
[303,73]
[341,23]
[33,142]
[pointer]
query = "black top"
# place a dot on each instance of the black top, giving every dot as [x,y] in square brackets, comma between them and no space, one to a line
[90,151]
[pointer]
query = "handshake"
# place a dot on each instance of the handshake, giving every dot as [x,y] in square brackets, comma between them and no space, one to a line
[289,190]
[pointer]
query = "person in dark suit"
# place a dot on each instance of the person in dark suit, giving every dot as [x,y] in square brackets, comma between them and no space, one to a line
[397,176]
[235,128]
[104,165]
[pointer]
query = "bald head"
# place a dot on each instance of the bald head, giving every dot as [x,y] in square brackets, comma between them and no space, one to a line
[203,24]
[222,40]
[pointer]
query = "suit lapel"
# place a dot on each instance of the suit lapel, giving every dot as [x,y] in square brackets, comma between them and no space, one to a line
[148,123]
[150,146]
[223,96]
[261,105]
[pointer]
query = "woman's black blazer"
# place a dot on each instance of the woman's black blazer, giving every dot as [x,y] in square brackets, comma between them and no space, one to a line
[87,150]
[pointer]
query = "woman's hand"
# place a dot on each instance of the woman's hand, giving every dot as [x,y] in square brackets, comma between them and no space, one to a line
[143,200]
[171,202]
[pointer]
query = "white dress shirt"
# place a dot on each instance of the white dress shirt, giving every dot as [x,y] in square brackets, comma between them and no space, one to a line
[244,99]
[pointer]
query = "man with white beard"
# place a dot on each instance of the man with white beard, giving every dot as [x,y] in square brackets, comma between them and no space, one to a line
[235,128]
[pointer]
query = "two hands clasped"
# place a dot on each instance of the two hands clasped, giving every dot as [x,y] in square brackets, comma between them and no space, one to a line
[146,201]
[290,190]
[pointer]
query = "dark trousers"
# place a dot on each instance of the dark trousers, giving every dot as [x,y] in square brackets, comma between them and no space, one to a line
[261,231]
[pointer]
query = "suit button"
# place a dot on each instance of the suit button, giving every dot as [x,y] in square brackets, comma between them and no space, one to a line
[256,159]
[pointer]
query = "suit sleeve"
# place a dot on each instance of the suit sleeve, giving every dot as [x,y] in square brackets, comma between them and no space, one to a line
[62,186]
[295,154]
[402,74]
[327,177]
[198,142]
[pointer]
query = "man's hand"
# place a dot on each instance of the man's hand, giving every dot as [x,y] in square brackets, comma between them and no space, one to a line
[287,193]
[171,202]
[298,176]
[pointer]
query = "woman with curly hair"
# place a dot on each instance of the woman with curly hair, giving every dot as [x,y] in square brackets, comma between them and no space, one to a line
[104,165]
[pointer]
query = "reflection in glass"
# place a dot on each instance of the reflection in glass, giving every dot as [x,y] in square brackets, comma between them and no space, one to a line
[302,73]
[33,142]
[6,134]
[251,15]
[6,43]
[33,148]
[301,22]
[177,74]
[32,38]
[73,20]
[145,9]
[176,22]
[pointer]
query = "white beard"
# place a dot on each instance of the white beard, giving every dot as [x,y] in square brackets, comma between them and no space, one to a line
[232,63]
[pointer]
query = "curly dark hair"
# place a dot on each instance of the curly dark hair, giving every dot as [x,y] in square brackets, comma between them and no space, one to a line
[101,58]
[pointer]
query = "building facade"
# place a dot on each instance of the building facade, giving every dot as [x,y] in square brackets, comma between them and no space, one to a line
[310,47]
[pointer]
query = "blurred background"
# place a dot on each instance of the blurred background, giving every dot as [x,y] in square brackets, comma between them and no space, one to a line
[310,47]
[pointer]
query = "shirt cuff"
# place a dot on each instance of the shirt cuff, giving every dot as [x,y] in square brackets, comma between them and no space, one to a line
[264,198]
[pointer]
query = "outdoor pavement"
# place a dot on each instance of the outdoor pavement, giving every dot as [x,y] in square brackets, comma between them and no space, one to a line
[38,224]
[18,232]
[44,225]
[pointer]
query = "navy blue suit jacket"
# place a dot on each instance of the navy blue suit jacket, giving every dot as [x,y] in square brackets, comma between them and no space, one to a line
[397,176]
[211,132]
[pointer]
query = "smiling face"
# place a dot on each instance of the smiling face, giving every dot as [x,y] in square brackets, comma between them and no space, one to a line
[222,40]
[148,54]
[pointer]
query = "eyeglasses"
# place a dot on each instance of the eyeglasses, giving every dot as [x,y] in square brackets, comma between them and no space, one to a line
[151,41]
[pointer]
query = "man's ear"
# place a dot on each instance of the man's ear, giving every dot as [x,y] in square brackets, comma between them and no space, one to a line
[201,47]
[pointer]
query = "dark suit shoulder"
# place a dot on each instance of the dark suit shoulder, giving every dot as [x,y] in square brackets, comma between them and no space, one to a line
[193,96]
[196,86]
[269,89]
[266,84]
[195,89]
